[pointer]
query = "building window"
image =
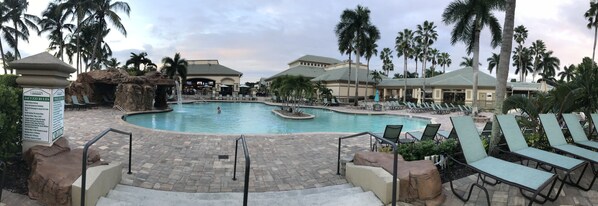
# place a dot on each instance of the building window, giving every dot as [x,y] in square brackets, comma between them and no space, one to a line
[468,95]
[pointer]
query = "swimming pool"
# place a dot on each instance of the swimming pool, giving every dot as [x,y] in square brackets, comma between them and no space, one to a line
[257,118]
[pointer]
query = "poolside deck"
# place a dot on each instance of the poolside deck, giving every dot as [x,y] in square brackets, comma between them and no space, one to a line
[189,162]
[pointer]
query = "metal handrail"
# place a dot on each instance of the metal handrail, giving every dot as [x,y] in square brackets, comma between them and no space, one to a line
[84,159]
[3,168]
[247,167]
[394,164]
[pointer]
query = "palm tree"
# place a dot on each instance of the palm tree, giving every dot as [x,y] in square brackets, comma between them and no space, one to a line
[537,50]
[106,9]
[502,70]
[112,63]
[54,22]
[549,65]
[469,17]
[433,57]
[493,61]
[176,65]
[136,60]
[404,45]
[592,16]
[79,10]
[370,50]
[520,36]
[356,25]
[5,31]
[22,22]
[426,36]
[9,57]
[416,54]
[567,73]
[445,61]
[466,62]
[522,60]
[377,77]
[386,57]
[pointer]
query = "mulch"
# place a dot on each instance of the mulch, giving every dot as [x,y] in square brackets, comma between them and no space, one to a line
[16,175]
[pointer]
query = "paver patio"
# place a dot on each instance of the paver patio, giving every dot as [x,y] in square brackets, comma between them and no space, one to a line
[188,162]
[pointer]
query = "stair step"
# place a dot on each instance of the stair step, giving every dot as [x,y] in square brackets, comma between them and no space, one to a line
[104,201]
[229,195]
[361,199]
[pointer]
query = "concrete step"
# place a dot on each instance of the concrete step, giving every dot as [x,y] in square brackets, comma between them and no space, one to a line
[333,195]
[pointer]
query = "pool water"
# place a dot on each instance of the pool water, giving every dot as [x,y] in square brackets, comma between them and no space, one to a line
[257,118]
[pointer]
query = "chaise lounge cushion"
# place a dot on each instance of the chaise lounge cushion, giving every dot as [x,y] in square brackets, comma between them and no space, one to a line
[418,179]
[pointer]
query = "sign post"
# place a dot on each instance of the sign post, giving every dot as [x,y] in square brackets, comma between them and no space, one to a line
[43,78]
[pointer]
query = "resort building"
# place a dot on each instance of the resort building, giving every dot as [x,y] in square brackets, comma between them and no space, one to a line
[211,78]
[332,73]
[451,87]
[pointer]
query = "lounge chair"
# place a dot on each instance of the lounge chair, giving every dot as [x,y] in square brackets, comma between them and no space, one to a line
[76,103]
[518,146]
[577,132]
[87,102]
[448,134]
[557,141]
[522,177]
[487,130]
[333,102]
[325,102]
[429,133]
[391,133]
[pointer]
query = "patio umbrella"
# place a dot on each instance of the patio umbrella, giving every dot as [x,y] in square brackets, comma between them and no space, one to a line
[377,97]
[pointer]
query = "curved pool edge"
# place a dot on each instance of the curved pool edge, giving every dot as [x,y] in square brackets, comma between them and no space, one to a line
[336,109]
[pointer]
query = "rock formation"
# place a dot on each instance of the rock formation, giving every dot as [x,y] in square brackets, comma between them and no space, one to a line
[53,171]
[132,93]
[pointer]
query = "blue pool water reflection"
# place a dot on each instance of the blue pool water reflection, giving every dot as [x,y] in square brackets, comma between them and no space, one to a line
[257,118]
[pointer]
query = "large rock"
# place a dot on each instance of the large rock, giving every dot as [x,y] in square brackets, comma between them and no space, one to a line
[135,97]
[419,180]
[53,171]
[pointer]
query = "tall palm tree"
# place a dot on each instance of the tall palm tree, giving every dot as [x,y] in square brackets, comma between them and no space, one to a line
[22,22]
[520,36]
[6,31]
[371,49]
[386,57]
[176,65]
[426,35]
[356,25]
[433,57]
[404,45]
[466,62]
[136,60]
[106,11]
[112,63]
[79,10]
[377,77]
[592,16]
[493,61]
[502,70]
[416,54]
[54,22]
[537,50]
[568,73]
[445,61]
[549,65]
[522,60]
[469,17]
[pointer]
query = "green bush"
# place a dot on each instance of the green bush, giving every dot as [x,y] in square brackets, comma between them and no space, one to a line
[417,151]
[10,120]
[537,140]
[9,80]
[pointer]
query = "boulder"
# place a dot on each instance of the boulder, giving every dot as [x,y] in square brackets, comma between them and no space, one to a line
[53,171]
[419,180]
[135,97]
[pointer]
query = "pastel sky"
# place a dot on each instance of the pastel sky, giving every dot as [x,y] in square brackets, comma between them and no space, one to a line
[260,37]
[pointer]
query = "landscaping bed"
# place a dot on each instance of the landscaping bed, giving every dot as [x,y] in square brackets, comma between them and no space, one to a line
[16,174]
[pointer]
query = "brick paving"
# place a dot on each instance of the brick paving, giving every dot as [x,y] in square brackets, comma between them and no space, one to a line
[188,162]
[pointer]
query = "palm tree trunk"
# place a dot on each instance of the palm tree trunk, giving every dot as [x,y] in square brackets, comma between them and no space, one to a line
[423,97]
[594,50]
[476,66]
[349,79]
[367,78]
[502,69]
[17,53]
[95,45]
[405,76]
[3,58]
[356,77]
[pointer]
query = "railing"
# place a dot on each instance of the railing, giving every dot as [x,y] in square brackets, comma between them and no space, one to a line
[394,164]
[84,160]
[3,168]
[247,167]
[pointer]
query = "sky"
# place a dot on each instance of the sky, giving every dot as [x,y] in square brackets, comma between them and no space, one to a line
[260,37]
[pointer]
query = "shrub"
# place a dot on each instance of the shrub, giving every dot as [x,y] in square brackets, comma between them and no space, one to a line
[537,140]
[9,80]
[10,120]
[417,151]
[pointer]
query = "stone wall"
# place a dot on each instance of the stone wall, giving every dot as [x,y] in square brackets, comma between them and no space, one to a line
[135,97]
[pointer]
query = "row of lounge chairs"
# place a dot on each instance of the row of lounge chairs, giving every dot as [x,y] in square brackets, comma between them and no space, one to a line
[76,104]
[582,153]
[234,97]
